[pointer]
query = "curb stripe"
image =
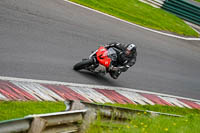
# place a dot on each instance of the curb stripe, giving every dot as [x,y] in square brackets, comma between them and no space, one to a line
[114,96]
[58,90]
[175,102]
[7,95]
[2,97]
[34,92]
[6,86]
[21,92]
[65,92]
[53,96]
[92,86]
[135,97]
[91,94]
[198,103]
[191,104]
[8,91]
[24,89]
[155,99]
[43,95]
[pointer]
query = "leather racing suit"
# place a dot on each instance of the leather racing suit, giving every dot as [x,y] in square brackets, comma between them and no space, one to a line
[123,61]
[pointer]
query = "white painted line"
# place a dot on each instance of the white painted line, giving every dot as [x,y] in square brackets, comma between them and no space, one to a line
[162,33]
[135,97]
[91,94]
[175,102]
[91,86]
[193,25]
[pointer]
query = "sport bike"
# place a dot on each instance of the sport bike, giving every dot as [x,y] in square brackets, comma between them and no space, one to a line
[98,61]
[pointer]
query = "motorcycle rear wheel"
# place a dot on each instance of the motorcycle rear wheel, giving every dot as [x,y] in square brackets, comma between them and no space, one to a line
[83,64]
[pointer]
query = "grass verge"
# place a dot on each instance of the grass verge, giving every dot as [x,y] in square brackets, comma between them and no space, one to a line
[197,0]
[17,109]
[144,123]
[141,123]
[159,108]
[140,13]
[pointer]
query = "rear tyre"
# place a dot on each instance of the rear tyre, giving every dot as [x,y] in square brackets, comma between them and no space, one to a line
[83,64]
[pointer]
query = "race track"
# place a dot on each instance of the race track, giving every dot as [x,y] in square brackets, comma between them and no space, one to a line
[43,39]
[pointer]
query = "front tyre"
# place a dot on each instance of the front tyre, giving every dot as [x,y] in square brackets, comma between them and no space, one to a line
[83,64]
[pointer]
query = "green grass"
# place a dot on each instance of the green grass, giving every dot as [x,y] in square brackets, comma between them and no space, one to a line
[144,123]
[159,108]
[140,123]
[17,109]
[147,124]
[142,14]
[197,0]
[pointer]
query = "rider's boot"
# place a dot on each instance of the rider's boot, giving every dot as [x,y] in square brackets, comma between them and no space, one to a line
[115,74]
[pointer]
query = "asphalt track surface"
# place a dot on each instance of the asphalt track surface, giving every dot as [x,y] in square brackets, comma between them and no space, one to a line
[43,39]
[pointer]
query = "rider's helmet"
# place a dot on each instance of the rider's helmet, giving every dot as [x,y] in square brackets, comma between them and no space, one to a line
[130,50]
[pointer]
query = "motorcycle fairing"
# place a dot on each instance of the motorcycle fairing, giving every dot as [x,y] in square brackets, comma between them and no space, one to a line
[102,57]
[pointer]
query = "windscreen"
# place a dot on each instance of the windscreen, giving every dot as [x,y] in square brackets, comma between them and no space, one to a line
[111,53]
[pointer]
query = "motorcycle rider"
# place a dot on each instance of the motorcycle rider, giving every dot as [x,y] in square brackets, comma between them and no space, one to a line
[126,57]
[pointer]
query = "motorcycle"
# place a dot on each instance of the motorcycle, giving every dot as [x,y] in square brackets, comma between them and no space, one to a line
[98,61]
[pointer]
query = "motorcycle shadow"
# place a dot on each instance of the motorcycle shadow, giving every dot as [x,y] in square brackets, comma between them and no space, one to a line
[103,79]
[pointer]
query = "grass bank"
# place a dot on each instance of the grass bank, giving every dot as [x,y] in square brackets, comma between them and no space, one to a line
[147,124]
[144,123]
[17,109]
[159,108]
[140,123]
[140,13]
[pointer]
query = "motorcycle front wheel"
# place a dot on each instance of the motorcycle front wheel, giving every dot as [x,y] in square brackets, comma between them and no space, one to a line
[83,64]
